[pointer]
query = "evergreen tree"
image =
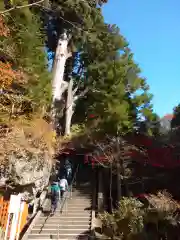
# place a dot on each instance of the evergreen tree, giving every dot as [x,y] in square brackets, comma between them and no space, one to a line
[23,50]
[114,81]
[151,125]
[176,118]
[69,21]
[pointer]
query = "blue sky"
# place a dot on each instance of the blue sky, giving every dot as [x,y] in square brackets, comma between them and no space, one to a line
[152,29]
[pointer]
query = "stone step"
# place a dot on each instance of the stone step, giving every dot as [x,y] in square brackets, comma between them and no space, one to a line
[79,206]
[81,200]
[64,216]
[58,236]
[68,212]
[75,202]
[67,216]
[61,231]
[61,226]
[65,221]
[78,203]
[81,196]
[77,209]
[71,206]
[77,194]
[82,190]
[72,213]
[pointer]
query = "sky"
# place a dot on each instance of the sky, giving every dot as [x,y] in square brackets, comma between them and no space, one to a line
[152,29]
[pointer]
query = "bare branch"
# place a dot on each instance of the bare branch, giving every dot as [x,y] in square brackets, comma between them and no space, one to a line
[19,7]
[82,94]
[108,157]
[79,72]
[64,86]
[75,90]
[100,163]
[68,55]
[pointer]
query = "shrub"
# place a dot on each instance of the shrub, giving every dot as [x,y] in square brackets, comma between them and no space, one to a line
[132,220]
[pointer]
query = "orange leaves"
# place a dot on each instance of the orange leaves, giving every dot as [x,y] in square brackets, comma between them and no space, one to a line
[7,75]
[4,30]
[6,72]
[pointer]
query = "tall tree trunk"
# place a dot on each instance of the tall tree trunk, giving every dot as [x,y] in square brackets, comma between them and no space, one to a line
[100,191]
[69,108]
[59,67]
[119,190]
[118,167]
[58,83]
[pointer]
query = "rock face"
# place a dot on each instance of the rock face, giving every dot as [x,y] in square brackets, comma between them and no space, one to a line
[26,159]
[28,176]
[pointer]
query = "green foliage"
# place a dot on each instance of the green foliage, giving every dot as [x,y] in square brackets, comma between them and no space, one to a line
[134,220]
[151,126]
[114,82]
[28,41]
[102,62]
[127,220]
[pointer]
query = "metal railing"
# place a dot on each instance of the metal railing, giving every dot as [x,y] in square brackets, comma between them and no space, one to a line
[68,193]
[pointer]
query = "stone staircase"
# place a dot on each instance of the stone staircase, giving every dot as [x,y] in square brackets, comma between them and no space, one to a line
[74,222]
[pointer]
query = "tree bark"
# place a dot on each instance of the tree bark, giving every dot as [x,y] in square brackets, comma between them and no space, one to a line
[118,166]
[58,83]
[69,108]
[59,66]
[119,192]
[100,191]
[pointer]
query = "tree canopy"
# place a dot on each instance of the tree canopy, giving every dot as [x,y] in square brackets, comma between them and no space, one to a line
[104,80]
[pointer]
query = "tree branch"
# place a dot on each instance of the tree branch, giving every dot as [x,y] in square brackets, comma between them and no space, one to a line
[65,84]
[19,7]
[82,94]
[79,72]
[75,90]
[68,55]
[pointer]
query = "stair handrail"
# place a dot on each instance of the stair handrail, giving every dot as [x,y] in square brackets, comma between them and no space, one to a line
[69,190]
[73,180]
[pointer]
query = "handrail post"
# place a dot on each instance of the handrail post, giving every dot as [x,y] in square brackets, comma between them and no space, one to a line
[71,192]
[58,231]
[68,193]
[66,207]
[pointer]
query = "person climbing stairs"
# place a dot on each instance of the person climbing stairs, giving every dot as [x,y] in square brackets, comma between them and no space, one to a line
[72,221]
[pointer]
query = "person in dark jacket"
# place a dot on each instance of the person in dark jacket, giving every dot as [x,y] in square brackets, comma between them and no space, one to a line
[55,196]
[68,168]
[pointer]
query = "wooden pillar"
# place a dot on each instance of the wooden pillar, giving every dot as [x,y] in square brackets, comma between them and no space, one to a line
[119,190]
[100,190]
